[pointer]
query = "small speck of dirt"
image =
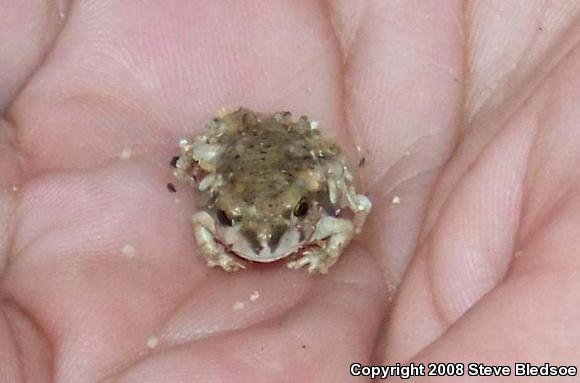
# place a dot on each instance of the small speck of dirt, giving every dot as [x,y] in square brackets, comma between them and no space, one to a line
[254,296]
[304,346]
[362,162]
[173,162]
[125,154]
[153,342]
[238,306]
[128,250]
[171,187]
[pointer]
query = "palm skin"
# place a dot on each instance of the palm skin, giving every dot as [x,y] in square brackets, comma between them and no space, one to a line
[467,112]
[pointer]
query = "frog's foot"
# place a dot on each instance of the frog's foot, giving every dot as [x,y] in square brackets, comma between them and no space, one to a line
[333,235]
[318,261]
[213,252]
[225,261]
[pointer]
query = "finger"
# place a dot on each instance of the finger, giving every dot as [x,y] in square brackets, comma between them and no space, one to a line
[142,85]
[536,42]
[403,82]
[518,197]
[307,343]
[512,48]
[468,251]
[28,30]
[145,82]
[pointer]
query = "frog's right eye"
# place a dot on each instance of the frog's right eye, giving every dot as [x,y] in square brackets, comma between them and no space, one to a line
[224,218]
[301,209]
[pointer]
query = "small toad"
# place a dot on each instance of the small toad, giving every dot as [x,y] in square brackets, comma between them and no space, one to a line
[270,187]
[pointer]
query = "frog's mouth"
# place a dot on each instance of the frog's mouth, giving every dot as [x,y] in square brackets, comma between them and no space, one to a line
[238,244]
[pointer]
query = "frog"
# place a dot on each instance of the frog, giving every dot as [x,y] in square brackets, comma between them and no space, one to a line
[270,187]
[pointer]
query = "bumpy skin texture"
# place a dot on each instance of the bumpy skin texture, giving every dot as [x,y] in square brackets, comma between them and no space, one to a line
[465,110]
[270,187]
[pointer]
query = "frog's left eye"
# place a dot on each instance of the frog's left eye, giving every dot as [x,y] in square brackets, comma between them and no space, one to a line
[224,218]
[301,208]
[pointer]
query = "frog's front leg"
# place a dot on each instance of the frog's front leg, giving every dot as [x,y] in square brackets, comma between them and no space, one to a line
[333,234]
[342,193]
[212,251]
[361,206]
[197,155]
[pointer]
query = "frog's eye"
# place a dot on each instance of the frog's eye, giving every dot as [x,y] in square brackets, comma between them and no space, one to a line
[224,218]
[301,208]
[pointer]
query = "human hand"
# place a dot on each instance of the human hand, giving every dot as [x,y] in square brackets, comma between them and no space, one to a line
[466,113]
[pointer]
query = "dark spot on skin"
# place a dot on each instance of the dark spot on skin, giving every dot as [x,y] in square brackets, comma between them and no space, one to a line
[301,208]
[174,161]
[277,233]
[171,187]
[252,237]
[224,218]
[362,162]
[304,346]
[540,28]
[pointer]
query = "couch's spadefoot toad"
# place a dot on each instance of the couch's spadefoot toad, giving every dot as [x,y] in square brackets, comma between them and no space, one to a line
[270,187]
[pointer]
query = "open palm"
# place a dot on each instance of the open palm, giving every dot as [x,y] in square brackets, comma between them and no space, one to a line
[466,114]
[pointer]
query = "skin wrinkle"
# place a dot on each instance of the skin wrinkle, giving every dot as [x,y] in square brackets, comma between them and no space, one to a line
[481,117]
[41,61]
[504,117]
[349,131]
[460,127]
[225,332]
[558,204]
[459,134]
[383,177]
[8,302]
[341,71]
[442,318]
[268,323]
[16,143]
[346,49]
[12,338]
[222,335]
[524,196]
[13,220]
[439,310]
[528,47]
